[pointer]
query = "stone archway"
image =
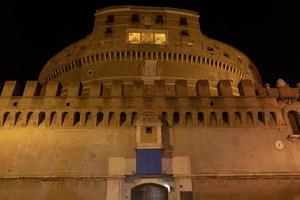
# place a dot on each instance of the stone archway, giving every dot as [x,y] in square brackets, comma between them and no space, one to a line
[149,192]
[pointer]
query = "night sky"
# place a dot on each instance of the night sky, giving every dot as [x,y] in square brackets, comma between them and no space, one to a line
[266,31]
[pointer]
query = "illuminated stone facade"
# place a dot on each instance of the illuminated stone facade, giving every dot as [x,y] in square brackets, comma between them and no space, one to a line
[147,82]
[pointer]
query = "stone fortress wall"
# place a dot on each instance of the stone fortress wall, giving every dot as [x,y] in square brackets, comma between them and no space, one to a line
[73,134]
[63,140]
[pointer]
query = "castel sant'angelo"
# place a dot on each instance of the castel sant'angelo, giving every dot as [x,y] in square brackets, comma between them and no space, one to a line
[146,107]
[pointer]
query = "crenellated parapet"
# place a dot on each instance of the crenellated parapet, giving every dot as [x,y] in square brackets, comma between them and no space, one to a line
[118,104]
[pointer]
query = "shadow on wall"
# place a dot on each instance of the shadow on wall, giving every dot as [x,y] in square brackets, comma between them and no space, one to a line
[168,149]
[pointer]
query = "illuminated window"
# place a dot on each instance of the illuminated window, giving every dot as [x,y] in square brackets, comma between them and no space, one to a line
[134,38]
[147,38]
[160,38]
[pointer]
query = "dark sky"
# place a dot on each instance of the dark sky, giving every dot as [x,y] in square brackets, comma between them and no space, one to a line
[267,31]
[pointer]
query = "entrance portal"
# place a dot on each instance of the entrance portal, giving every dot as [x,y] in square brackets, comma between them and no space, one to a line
[149,192]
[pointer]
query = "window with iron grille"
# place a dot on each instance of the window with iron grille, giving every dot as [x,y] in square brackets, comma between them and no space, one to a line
[159,19]
[135,18]
[183,21]
[110,19]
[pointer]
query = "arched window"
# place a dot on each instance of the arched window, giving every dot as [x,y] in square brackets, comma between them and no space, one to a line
[225,118]
[261,117]
[110,118]
[249,118]
[17,117]
[176,118]
[52,118]
[188,119]
[294,119]
[99,118]
[41,118]
[122,118]
[133,118]
[64,117]
[5,117]
[28,117]
[87,118]
[238,119]
[200,117]
[213,119]
[76,118]
[149,192]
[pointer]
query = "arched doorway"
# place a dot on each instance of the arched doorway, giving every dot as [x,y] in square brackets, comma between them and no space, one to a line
[149,192]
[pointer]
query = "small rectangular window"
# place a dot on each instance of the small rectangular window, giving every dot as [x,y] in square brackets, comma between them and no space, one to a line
[149,130]
[183,21]
[110,19]
[185,33]
[159,19]
[108,31]
[135,18]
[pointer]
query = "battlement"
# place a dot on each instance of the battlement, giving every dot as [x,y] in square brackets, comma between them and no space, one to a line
[117,104]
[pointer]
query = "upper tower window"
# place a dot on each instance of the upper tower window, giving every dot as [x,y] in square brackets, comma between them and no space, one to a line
[134,38]
[184,33]
[159,19]
[110,19]
[108,31]
[160,38]
[147,38]
[183,21]
[135,18]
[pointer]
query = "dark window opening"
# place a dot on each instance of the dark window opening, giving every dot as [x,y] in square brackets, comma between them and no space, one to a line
[133,118]
[76,119]
[149,130]
[184,33]
[200,117]
[183,21]
[41,118]
[159,19]
[213,119]
[210,49]
[261,117]
[176,118]
[108,31]
[226,54]
[99,118]
[135,18]
[110,19]
[122,118]
[294,119]
[225,118]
